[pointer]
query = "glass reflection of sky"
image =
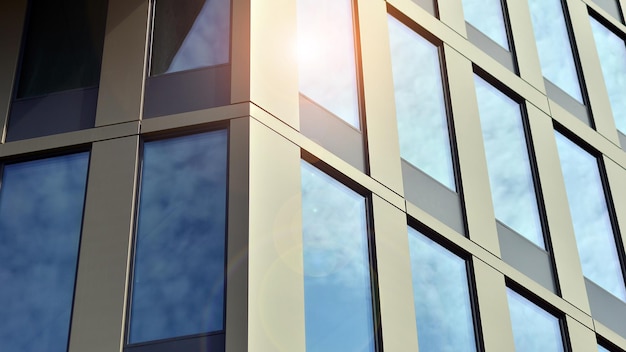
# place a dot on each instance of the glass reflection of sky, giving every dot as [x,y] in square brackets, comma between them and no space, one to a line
[602,349]
[326,61]
[208,40]
[420,106]
[337,290]
[41,208]
[487,16]
[592,225]
[612,53]
[554,47]
[178,282]
[510,177]
[441,294]
[533,328]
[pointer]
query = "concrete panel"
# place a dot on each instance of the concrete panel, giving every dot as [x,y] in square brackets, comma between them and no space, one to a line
[564,251]
[503,56]
[380,109]
[472,161]
[611,7]
[240,52]
[571,105]
[493,307]
[607,309]
[616,176]
[394,277]
[101,286]
[582,339]
[12,14]
[451,14]
[276,282]
[123,62]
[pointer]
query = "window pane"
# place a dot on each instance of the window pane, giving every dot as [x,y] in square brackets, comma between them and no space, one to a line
[554,46]
[178,281]
[420,103]
[443,310]
[337,289]
[612,53]
[533,328]
[592,225]
[41,210]
[487,16]
[326,61]
[602,349]
[63,47]
[190,34]
[510,176]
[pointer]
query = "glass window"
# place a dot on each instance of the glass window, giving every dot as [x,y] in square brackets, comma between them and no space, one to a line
[534,329]
[337,285]
[612,53]
[602,349]
[189,34]
[63,46]
[590,214]
[488,17]
[178,280]
[326,60]
[554,46]
[41,211]
[443,311]
[420,103]
[508,162]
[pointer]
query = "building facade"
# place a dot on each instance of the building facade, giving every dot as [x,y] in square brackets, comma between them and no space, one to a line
[291,175]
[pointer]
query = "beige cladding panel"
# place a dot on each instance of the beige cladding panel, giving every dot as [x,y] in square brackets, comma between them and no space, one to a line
[581,338]
[276,282]
[451,14]
[524,42]
[616,176]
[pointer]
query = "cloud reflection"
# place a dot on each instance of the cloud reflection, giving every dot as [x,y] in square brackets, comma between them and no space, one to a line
[487,17]
[41,208]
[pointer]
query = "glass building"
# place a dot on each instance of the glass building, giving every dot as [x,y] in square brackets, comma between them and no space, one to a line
[312,175]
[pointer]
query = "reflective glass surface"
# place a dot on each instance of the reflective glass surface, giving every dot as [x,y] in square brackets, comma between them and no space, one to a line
[190,34]
[41,211]
[326,61]
[612,53]
[592,225]
[178,281]
[533,328]
[510,176]
[554,46]
[420,104]
[63,47]
[443,311]
[487,16]
[602,349]
[337,289]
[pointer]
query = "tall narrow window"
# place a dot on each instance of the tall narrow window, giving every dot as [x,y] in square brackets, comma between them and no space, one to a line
[554,46]
[420,103]
[443,310]
[612,53]
[534,329]
[510,176]
[337,280]
[41,210]
[590,214]
[326,59]
[178,278]
[488,17]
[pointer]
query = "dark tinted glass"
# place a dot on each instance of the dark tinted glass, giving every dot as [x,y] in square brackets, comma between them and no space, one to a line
[337,289]
[178,281]
[63,47]
[190,34]
[443,311]
[534,329]
[41,208]
[420,103]
[487,16]
[590,214]
[508,163]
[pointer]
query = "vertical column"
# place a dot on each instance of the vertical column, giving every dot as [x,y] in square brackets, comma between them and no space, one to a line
[276,283]
[382,130]
[524,43]
[12,15]
[493,307]
[581,338]
[590,65]
[394,277]
[481,222]
[123,62]
[101,285]
[564,249]
[616,176]
[451,13]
